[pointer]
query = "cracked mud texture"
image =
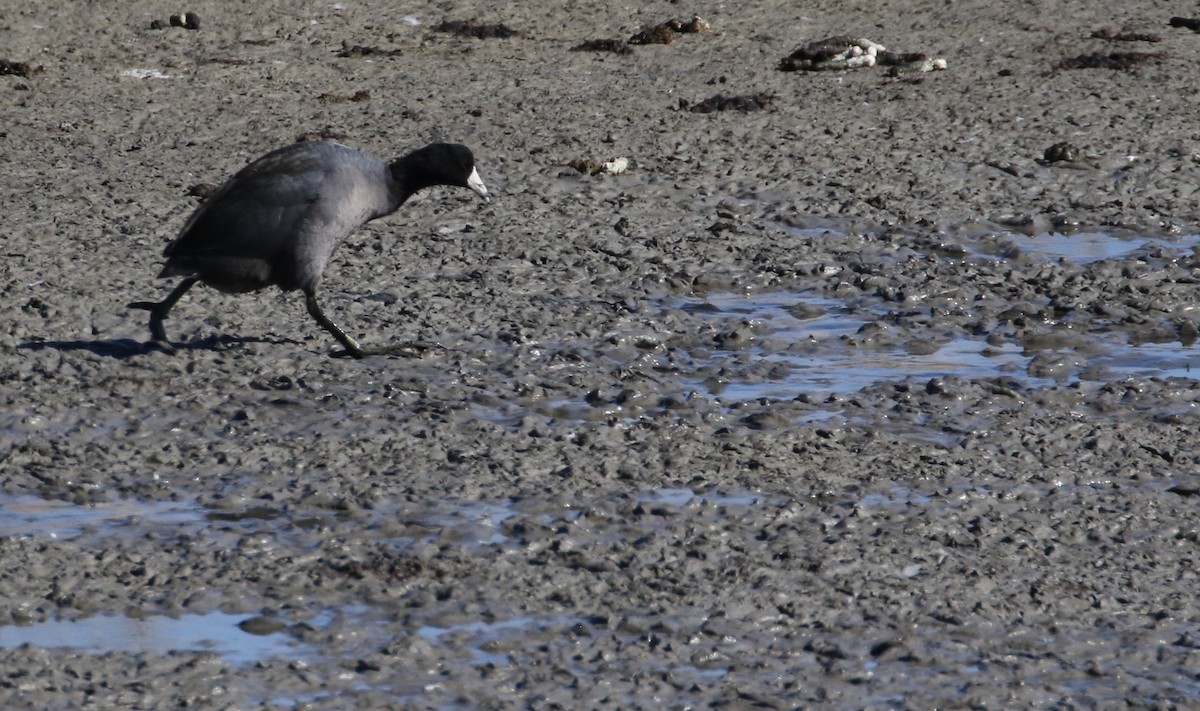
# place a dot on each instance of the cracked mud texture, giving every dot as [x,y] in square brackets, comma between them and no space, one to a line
[562,507]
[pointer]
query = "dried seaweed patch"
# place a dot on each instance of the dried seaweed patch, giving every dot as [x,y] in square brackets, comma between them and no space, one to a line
[829,48]
[846,52]
[664,33]
[1111,36]
[659,34]
[21,69]
[359,50]
[615,46]
[588,166]
[358,96]
[475,29]
[1120,61]
[720,102]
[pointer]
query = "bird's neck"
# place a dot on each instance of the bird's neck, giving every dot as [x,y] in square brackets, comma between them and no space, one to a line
[407,179]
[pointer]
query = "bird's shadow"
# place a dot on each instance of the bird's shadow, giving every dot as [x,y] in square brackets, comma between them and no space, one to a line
[122,348]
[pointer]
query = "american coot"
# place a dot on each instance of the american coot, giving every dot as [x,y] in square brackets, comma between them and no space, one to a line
[278,220]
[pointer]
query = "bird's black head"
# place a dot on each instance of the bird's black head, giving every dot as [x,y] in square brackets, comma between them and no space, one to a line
[439,164]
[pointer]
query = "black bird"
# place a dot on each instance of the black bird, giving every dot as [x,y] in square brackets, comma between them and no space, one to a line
[279,219]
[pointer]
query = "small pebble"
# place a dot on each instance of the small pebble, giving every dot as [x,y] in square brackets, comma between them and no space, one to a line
[261,625]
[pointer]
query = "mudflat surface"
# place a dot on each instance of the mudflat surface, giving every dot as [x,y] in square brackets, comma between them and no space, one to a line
[852,402]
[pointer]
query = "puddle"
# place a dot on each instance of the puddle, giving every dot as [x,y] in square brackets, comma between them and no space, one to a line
[474,524]
[27,515]
[833,366]
[839,368]
[216,632]
[896,497]
[493,642]
[682,497]
[1159,360]
[790,316]
[1083,247]
[809,231]
[469,523]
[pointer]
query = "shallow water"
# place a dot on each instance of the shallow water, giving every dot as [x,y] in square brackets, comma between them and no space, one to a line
[682,497]
[829,365]
[1085,247]
[493,642]
[27,515]
[474,524]
[574,450]
[216,632]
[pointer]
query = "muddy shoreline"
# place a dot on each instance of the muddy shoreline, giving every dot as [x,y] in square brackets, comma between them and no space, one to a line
[803,409]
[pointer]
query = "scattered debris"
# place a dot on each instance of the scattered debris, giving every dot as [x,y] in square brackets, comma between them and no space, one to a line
[360,95]
[696,25]
[664,33]
[325,134]
[718,227]
[138,73]
[1191,23]
[659,34]
[587,166]
[1122,61]
[478,31]
[202,190]
[845,52]
[1062,151]
[615,46]
[188,21]
[229,61]
[21,69]
[1004,167]
[1067,155]
[909,63]
[840,52]
[1126,36]
[720,102]
[359,50]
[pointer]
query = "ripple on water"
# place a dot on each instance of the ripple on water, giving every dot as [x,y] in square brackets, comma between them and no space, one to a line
[828,362]
[27,515]
[834,366]
[1079,247]
[493,642]
[216,632]
[474,524]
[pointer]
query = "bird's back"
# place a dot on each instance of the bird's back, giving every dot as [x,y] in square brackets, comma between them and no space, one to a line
[279,219]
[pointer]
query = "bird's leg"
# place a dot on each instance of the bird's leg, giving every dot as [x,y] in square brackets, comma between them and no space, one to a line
[159,309]
[314,310]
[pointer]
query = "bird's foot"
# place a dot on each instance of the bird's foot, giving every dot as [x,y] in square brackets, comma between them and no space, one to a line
[410,350]
[157,314]
[160,346]
[347,353]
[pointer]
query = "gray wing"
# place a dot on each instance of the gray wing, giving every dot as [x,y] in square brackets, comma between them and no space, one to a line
[281,217]
[255,213]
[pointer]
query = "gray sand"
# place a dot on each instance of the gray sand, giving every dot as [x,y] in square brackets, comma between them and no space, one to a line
[605,490]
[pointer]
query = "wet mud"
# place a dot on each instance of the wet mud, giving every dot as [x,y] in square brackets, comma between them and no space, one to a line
[854,402]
